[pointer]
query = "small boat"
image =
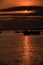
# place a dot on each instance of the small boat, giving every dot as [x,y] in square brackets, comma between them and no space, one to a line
[31,32]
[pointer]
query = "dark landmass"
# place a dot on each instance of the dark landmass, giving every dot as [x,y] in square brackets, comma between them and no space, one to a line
[18,8]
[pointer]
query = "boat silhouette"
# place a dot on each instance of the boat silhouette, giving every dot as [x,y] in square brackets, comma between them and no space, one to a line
[31,32]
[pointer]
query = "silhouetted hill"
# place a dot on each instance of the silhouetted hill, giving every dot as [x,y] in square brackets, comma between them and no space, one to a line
[37,8]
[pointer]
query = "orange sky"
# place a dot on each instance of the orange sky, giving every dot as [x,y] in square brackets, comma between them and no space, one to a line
[10,3]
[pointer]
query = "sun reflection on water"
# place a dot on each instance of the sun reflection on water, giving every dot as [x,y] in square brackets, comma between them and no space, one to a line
[27,48]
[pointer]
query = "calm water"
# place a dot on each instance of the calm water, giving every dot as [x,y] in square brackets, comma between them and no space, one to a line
[17,49]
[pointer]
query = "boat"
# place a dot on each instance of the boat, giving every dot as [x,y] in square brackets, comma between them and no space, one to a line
[31,32]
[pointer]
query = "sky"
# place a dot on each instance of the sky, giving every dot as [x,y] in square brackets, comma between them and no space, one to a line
[12,3]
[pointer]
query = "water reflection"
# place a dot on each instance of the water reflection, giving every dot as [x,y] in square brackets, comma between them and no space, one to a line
[27,54]
[26,47]
[17,49]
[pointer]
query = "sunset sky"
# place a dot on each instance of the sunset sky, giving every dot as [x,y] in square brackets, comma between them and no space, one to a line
[11,3]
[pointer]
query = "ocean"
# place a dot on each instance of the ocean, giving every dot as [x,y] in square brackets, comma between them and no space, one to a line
[18,49]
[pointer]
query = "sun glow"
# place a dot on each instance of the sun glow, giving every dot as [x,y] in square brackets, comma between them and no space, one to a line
[13,3]
[26,11]
[18,12]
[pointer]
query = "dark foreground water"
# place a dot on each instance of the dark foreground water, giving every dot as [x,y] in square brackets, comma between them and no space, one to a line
[17,49]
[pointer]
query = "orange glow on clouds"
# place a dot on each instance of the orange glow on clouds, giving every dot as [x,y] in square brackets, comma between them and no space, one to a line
[10,3]
[18,12]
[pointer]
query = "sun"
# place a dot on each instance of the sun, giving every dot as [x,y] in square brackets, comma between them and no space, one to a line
[26,11]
